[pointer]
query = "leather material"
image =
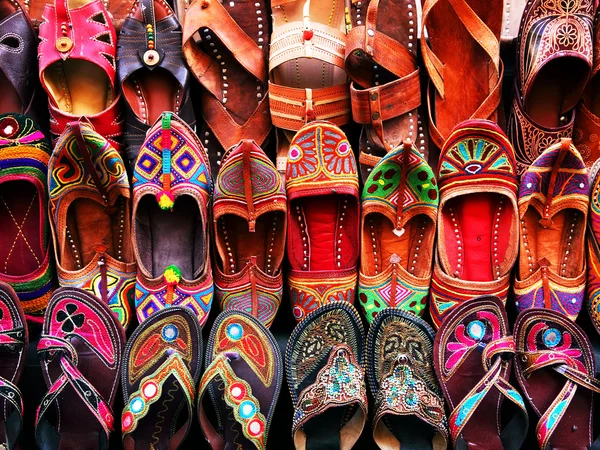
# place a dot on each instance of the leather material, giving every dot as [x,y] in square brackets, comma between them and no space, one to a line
[511,19]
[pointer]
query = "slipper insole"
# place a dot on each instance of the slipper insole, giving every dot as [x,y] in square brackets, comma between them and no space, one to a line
[322,431]
[10,102]
[21,249]
[150,93]
[411,432]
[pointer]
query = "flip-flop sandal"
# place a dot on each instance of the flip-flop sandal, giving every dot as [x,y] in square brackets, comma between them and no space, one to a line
[243,376]
[161,367]
[323,364]
[230,62]
[556,370]
[409,403]
[381,61]
[307,78]
[13,351]
[461,52]
[554,62]
[81,348]
[593,248]
[473,353]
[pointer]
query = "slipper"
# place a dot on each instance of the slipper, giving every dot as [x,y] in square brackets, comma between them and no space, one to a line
[473,354]
[593,248]
[398,222]
[118,10]
[555,368]
[409,403]
[14,341]
[243,376]
[323,364]
[381,61]
[553,209]
[161,368]
[80,348]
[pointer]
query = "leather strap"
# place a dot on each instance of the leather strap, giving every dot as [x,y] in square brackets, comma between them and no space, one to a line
[565,144]
[247,146]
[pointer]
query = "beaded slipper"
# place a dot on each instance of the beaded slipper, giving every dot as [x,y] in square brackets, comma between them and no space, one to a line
[244,372]
[473,354]
[323,364]
[409,404]
[250,224]
[14,341]
[80,348]
[90,218]
[398,214]
[553,208]
[161,367]
[556,370]
[171,194]
[27,264]
[323,222]
[478,228]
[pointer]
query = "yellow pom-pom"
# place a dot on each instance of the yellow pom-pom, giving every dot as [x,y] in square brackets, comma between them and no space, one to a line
[165,200]
[172,275]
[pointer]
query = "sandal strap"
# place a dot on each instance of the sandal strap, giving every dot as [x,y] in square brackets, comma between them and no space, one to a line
[49,343]
[237,393]
[12,337]
[151,388]
[12,394]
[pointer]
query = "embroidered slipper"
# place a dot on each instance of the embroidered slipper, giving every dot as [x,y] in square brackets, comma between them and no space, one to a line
[80,348]
[250,224]
[473,359]
[409,404]
[478,228]
[161,368]
[14,341]
[381,61]
[323,364]
[593,247]
[90,218]
[171,194]
[554,62]
[398,215]
[555,368]
[225,44]
[553,208]
[323,222]
[244,372]
[25,254]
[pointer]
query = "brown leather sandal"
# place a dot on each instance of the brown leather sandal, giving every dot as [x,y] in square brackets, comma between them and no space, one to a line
[229,61]
[381,61]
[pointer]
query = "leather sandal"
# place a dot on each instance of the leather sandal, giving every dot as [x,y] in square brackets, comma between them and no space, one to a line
[473,352]
[25,243]
[553,209]
[556,370]
[250,225]
[307,78]
[478,220]
[381,61]
[81,349]
[14,341]
[409,403]
[230,62]
[461,52]
[90,218]
[593,248]
[77,67]
[324,215]
[398,222]
[161,367]
[243,376]
[152,71]
[554,61]
[323,364]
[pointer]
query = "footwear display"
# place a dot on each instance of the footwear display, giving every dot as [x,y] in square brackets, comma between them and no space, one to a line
[324,214]
[478,228]
[250,217]
[553,209]
[90,218]
[243,376]
[593,248]
[396,247]
[25,243]
[171,193]
[152,71]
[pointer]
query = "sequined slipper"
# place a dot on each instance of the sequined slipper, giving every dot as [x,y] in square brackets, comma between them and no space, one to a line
[323,364]
[161,368]
[244,372]
[409,403]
